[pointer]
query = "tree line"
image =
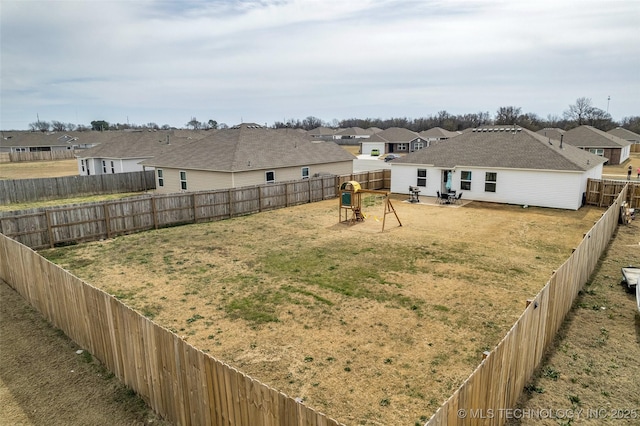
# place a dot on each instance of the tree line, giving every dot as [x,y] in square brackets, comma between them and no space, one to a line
[580,113]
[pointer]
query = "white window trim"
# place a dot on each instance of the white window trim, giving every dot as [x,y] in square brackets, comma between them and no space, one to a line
[267,173]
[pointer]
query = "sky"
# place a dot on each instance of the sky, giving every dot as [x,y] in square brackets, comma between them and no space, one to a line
[262,61]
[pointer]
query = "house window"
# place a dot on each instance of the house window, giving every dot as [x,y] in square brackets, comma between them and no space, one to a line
[597,151]
[422,177]
[401,147]
[183,181]
[160,178]
[418,145]
[104,166]
[113,169]
[305,173]
[465,180]
[82,165]
[490,182]
[270,176]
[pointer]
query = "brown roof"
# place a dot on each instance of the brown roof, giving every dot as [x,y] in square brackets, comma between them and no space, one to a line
[251,148]
[503,147]
[590,137]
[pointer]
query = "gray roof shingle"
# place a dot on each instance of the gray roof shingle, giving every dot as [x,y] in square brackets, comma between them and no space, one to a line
[590,137]
[625,134]
[503,147]
[246,148]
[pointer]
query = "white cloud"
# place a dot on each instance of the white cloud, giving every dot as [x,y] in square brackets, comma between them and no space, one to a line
[165,61]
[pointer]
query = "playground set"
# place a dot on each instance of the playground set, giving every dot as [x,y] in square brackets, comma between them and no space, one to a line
[351,203]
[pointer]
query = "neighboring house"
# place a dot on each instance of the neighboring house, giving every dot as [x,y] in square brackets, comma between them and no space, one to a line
[395,140]
[124,151]
[625,134]
[615,149]
[437,134]
[502,164]
[322,133]
[246,155]
[49,141]
[352,133]
[552,132]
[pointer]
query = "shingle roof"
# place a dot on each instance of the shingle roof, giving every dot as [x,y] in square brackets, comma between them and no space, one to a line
[551,133]
[141,144]
[503,147]
[322,131]
[394,134]
[438,132]
[625,134]
[353,131]
[590,137]
[245,148]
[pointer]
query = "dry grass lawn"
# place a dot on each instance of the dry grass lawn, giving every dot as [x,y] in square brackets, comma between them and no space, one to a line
[368,327]
[38,169]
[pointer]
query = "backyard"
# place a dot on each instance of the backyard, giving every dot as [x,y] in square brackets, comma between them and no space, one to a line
[369,327]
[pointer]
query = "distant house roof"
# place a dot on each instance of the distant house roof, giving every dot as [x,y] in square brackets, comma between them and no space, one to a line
[37,139]
[625,134]
[353,131]
[590,137]
[394,134]
[321,131]
[139,144]
[438,133]
[551,132]
[245,148]
[503,147]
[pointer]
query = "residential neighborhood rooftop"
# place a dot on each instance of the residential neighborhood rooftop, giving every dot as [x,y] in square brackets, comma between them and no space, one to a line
[248,147]
[504,147]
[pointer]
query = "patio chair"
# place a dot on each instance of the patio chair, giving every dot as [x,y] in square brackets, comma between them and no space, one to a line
[457,199]
[439,199]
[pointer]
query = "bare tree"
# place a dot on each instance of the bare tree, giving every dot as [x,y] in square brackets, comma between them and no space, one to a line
[194,123]
[508,115]
[70,127]
[311,123]
[58,126]
[40,126]
[579,111]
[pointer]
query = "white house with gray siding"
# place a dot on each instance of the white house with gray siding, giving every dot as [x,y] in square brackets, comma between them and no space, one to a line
[500,164]
[247,155]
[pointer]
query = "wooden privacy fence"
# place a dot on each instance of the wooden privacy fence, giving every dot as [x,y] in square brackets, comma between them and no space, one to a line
[26,190]
[180,382]
[496,384]
[603,193]
[48,227]
[61,154]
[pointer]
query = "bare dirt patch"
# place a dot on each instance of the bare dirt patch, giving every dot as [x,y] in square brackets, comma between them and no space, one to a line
[368,327]
[43,381]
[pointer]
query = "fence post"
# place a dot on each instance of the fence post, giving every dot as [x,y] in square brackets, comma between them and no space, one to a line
[107,221]
[230,204]
[286,194]
[195,210]
[154,210]
[50,231]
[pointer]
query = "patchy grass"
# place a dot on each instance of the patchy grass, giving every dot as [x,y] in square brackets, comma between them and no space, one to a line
[401,316]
